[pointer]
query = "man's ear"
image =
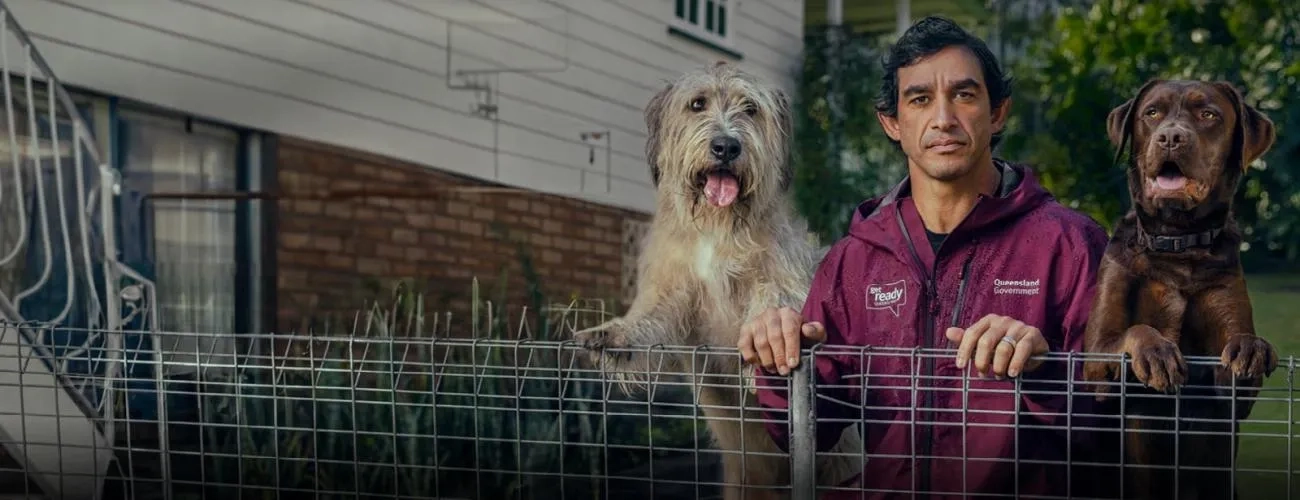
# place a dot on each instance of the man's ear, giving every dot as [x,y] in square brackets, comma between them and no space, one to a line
[1000,115]
[890,124]
[1254,133]
[653,119]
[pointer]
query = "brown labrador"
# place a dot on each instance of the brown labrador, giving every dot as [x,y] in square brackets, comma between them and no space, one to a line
[1170,285]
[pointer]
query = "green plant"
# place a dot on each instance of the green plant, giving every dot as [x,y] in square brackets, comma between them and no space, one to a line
[826,193]
[375,407]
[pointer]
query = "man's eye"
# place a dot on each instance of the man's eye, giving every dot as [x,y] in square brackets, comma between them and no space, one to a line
[920,100]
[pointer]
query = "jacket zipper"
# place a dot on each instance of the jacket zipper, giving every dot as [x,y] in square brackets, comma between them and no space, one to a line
[931,306]
[927,364]
[961,292]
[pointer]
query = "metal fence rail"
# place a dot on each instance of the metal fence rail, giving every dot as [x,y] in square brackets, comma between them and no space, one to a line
[1057,405]
[424,417]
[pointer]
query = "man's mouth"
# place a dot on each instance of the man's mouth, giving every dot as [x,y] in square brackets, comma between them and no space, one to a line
[721,186]
[945,145]
[1170,177]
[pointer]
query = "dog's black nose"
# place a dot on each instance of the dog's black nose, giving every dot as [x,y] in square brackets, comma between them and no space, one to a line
[725,148]
[1171,138]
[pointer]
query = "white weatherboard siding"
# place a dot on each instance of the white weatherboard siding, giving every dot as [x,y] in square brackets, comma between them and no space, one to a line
[372,74]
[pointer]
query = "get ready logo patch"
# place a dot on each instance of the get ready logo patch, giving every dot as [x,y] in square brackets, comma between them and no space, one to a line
[887,296]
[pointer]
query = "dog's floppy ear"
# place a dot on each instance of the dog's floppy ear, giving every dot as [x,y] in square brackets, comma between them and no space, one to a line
[1258,134]
[653,118]
[781,112]
[1119,123]
[1254,133]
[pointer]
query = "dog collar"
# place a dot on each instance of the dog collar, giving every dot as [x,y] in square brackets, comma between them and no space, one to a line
[1180,243]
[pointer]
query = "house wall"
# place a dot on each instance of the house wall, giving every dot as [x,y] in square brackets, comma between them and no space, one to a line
[330,252]
[374,75]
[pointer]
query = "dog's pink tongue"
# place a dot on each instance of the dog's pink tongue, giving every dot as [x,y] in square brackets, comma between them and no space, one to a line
[1171,181]
[721,190]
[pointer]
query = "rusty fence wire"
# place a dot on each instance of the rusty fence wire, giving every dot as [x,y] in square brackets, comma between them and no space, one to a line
[376,416]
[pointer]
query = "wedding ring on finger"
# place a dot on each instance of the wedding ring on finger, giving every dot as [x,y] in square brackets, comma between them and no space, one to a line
[1010,341]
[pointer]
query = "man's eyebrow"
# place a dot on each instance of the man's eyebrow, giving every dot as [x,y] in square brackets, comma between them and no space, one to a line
[965,84]
[920,88]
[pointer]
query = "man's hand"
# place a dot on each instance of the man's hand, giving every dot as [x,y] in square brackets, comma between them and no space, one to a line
[1001,343]
[773,338]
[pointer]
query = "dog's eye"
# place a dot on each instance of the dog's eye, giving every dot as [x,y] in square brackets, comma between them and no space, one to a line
[697,104]
[750,109]
[1208,115]
[1152,112]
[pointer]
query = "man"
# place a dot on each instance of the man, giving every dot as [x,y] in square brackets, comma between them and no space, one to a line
[967,252]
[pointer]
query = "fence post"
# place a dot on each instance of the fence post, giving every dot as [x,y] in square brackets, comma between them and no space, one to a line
[803,433]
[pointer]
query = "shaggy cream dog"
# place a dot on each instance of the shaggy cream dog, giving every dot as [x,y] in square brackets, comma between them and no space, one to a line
[725,243]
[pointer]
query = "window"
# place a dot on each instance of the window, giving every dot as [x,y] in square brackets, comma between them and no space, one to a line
[709,18]
[195,248]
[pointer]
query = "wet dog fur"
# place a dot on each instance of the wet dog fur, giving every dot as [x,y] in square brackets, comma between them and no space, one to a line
[1170,284]
[725,243]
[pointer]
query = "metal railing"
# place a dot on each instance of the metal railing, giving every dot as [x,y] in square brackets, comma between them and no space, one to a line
[59,266]
[385,416]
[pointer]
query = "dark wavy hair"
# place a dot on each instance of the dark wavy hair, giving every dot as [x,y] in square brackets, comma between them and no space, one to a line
[925,38]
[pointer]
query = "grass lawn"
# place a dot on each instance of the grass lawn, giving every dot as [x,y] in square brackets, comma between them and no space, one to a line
[1267,439]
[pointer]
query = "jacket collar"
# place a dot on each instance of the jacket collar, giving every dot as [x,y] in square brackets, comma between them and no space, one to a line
[1010,180]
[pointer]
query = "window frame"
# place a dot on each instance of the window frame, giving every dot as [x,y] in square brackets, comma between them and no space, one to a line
[255,285]
[254,163]
[700,29]
[254,219]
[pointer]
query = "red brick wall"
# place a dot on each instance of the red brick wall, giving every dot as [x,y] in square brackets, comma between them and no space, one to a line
[327,250]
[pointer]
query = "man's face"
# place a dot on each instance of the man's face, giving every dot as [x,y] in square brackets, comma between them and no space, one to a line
[945,122]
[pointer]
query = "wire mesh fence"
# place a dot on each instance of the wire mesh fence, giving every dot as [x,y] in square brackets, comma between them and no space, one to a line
[95,402]
[951,433]
[388,417]
[383,415]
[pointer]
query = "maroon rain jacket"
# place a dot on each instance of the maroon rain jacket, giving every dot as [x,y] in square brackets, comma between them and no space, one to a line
[1019,253]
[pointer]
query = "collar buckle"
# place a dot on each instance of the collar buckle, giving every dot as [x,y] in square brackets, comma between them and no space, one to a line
[1175,244]
[1180,243]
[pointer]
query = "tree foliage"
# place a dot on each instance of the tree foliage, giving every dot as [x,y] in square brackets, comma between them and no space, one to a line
[1090,60]
[827,193]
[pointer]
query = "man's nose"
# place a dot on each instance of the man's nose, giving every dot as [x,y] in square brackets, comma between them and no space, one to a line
[944,117]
